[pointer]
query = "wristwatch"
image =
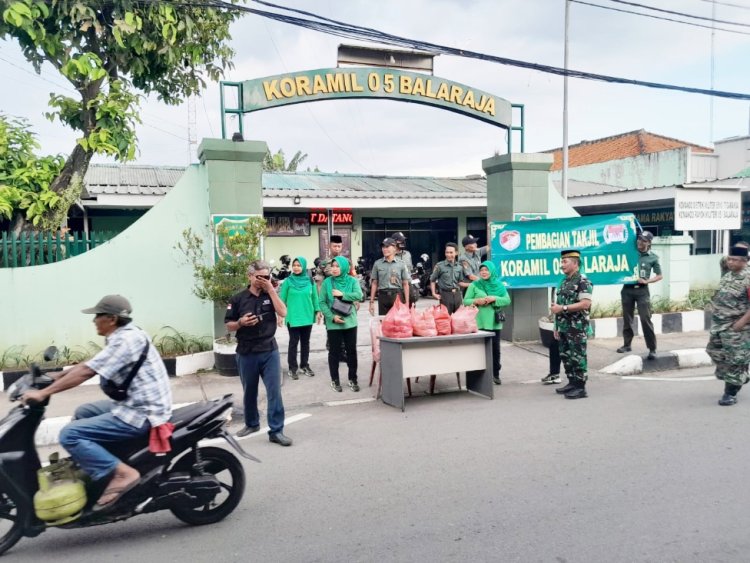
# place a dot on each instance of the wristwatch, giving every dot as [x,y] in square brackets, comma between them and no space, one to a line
[565,308]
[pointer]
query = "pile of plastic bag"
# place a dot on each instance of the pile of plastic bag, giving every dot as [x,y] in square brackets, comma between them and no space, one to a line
[423,322]
[442,320]
[397,323]
[464,320]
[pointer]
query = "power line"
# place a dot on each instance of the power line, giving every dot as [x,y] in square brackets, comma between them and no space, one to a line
[672,12]
[652,16]
[729,4]
[341,29]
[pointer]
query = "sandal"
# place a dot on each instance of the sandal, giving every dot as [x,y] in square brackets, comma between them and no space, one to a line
[118,493]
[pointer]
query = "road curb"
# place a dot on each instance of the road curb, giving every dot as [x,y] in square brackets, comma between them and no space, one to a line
[674,359]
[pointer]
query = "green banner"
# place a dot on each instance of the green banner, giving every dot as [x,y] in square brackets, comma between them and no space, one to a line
[527,253]
[378,83]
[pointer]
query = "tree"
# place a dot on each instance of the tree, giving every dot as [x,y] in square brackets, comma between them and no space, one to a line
[277,162]
[25,178]
[113,53]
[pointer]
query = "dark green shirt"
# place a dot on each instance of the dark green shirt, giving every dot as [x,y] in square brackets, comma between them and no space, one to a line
[447,275]
[648,262]
[390,275]
[472,262]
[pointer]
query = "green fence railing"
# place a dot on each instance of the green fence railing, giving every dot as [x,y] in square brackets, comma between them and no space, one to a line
[33,249]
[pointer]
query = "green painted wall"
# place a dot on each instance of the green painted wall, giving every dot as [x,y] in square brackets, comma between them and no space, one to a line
[42,303]
[115,222]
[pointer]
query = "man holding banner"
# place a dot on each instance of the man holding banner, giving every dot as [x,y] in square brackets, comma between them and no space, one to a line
[572,322]
[637,295]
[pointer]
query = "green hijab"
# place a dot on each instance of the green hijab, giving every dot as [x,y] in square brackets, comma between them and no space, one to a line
[493,285]
[300,281]
[341,282]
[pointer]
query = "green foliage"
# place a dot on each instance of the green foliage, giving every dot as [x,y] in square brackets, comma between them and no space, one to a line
[217,282]
[176,343]
[25,178]
[109,51]
[277,162]
[697,299]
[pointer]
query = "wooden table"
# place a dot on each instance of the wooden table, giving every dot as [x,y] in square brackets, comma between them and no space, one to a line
[401,358]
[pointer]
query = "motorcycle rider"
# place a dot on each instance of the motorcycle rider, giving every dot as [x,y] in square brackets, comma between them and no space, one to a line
[148,403]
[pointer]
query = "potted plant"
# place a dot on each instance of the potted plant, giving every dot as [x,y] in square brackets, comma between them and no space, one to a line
[237,245]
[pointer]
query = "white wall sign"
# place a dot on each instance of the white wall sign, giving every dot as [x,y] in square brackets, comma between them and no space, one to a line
[697,209]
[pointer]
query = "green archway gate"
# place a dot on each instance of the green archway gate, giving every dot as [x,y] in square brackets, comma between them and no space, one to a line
[369,83]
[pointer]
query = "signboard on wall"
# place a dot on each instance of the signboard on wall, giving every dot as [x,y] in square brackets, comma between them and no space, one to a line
[527,253]
[340,217]
[698,209]
[233,224]
[288,224]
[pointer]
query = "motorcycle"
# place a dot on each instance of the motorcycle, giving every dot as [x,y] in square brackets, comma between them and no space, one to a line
[363,274]
[423,273]
[199,484]
[278,275]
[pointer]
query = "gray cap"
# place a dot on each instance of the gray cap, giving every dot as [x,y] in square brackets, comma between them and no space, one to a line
[388,241]
[111,305]
[646,235]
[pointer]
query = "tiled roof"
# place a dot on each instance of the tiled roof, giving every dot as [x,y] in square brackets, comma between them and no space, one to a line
[130,179]
[158,180]
[625,145]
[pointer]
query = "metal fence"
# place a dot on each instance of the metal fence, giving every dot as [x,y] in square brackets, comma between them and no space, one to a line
[33,249]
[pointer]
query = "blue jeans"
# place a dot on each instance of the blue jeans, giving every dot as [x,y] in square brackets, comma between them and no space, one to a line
[266,365]
[94,424]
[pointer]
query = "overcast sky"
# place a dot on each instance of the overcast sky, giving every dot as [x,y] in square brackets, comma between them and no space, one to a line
[383,137]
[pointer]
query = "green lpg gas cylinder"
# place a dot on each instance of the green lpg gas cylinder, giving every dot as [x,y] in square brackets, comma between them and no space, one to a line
[61,495]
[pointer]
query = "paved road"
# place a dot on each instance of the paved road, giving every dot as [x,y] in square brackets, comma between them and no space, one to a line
[641,471]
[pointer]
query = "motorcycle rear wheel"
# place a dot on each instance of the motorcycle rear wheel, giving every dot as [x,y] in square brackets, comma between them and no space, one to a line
[224,466]
[9,513]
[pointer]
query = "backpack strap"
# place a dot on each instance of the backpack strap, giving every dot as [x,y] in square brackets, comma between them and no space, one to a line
[137,366]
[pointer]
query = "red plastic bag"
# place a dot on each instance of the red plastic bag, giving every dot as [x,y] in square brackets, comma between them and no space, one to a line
[442,319]
[423,323]
[397,323]
[464,320]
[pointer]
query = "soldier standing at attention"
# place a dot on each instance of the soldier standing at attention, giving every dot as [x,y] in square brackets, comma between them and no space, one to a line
[470,260]
[571,323]
[729,337]
[389,279]
[445,278]
[637,294]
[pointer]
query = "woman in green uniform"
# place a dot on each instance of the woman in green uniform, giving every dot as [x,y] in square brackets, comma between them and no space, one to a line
[488,293]
[301,300]
[341,327]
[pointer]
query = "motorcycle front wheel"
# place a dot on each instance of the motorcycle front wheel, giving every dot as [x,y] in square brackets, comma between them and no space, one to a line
[11,523]
[228,470]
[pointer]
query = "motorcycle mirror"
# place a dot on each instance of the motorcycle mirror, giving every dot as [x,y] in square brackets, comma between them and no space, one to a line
[50,353]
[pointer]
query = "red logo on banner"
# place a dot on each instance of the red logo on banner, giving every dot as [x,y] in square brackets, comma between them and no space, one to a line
[510,240]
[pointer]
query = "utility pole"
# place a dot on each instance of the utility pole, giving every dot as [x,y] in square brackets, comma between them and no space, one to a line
[711,99]
[565,107]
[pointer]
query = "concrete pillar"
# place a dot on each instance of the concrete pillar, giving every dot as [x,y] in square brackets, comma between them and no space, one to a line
[519,183]
[234,178]
[674,257]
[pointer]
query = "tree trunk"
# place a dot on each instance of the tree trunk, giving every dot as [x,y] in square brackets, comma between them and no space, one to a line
[77,163]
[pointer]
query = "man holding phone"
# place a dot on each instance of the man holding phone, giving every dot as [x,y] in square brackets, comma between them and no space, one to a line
[252,314]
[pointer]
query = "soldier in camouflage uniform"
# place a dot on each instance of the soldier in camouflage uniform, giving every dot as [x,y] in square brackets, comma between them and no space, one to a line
[729,337]
[723,262]
[572,323]
[323,269]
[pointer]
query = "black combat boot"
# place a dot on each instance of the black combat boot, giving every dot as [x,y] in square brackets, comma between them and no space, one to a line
[569,387]
[579,392]
[729,397]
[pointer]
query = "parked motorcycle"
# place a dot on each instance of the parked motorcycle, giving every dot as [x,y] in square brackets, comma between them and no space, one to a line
[278,275]
[423,272]
[363,274]
[198,484]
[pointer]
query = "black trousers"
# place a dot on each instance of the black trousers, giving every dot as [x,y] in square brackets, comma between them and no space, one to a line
[496,365]
[640,297]
[298,335]
[451,299]
[386,299]
[554,357]
[347,337]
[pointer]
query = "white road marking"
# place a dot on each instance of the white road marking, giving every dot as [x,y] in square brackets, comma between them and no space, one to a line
[348,402]
[697,378]
[262,432]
